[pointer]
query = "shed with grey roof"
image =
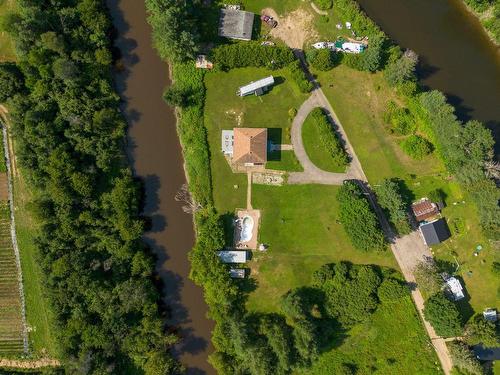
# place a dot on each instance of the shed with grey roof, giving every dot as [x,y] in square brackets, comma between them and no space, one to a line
[236,24]
[434,232]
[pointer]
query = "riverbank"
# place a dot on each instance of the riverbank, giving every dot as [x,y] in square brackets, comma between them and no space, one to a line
[489,19]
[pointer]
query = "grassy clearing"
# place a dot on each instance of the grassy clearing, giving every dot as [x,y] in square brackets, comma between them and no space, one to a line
[391,341]
[225,110]
[315,148]
[299,223]
[6,46]
[38,313]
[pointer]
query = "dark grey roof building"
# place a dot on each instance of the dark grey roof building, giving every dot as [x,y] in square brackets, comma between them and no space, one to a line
[486,354]
[236,24]
[434,232]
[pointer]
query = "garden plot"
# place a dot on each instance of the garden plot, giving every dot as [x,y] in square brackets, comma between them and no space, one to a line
[11,322]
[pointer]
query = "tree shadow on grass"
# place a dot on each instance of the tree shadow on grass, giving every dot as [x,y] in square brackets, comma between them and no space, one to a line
[464,306]
[228,223]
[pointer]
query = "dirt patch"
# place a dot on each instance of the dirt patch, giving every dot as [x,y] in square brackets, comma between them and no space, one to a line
[295,28]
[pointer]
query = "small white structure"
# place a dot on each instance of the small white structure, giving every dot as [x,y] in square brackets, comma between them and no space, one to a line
[348,25]
[490,314]
[455,288]
[237,273]
[350,47]
[257,87]
[233,256]
[227,142]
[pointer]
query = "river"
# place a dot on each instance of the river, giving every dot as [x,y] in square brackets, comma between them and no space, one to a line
[155,153]
[456,56]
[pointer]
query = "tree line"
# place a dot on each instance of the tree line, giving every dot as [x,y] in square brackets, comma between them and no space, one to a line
[69,134]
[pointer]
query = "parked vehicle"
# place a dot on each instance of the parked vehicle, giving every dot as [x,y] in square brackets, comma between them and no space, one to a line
[269,20]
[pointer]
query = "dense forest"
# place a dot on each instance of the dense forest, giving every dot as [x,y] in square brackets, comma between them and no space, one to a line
[69,136]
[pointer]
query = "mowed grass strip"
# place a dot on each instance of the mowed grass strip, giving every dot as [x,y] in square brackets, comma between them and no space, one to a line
[11,327]
[6,45]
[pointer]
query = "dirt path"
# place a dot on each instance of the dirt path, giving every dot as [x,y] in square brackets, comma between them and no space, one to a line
[295,28]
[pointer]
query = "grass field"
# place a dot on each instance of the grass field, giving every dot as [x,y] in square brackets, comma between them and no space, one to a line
[11,328]
[38,313]
[225,110]
[299,223]
[316,150]
[6,47]
[391,341]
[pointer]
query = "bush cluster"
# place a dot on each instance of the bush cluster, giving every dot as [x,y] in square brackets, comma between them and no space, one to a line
[358,219]
[324,4]
[416,146]
[400,119]
[299,77]
[322,59]
[391,200]
[238,55]
[443,315]
[69,135]
[329,138]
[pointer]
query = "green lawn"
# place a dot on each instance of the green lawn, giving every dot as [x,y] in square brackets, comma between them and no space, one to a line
[283,161]
[299,224]
[225,110]
[316,150]
[38,313]
[391,341]
[6,46]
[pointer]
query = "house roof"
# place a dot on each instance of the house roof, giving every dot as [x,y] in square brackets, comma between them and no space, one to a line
[435,232]
[230,256]
[250,145]
[251,87]
[424,209]
[486,354]
[236,24]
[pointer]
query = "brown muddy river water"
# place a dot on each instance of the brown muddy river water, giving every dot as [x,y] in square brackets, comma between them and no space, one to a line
[456,56]
[156,157]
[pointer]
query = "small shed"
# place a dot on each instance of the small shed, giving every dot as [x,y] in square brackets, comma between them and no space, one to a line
[236,24]
[227,142]
[434,232]
[257,87]
[455,288]
[233,256]
[424,209]
[237,273]
[490,314]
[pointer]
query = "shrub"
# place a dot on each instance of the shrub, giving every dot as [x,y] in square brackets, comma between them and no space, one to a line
[11,81]
[358,219]
[322,59]
[436,195]
[391,290]
[390,199]
[464,359]
[495,268]
[238,55]
[369,60]
[300,78]
[479,330]
[427,276]
[443,315]
[329,138]
[400,119]
[416,147]
[323,4]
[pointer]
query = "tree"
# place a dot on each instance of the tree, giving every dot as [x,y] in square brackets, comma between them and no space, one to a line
[416,146]
[402,70]
[464,359]
[479,330]
[177,97]
[495,268]
[443,315]
[358,220]
[65,69]
[11,81]
[391,290]
[427,276]
[322,59]
[324,4]
[279,336]
[389,197]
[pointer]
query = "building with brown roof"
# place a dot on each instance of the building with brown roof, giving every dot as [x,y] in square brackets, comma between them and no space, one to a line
[250,146]
[424,209]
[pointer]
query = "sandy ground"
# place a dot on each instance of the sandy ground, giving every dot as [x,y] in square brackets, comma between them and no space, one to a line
[294,29]
[40,363]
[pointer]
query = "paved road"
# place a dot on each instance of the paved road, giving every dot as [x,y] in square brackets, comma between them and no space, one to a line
[311,173]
